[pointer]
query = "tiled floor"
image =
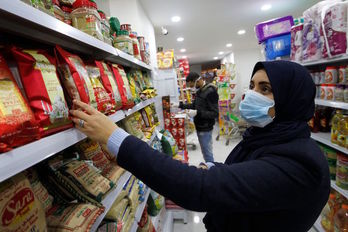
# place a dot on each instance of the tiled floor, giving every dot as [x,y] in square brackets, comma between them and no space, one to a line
[221,152]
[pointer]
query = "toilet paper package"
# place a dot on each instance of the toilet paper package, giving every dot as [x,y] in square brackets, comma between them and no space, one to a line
[296,43]
[311,41]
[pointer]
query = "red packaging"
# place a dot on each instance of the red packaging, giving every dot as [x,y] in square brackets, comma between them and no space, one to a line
[123,86]
[75,77]
[167,124]
[181,132]
[102,97]
[173,122]
[182,144]
[174,132]
[45,94]
[17,121]
[181,122]
[110,84]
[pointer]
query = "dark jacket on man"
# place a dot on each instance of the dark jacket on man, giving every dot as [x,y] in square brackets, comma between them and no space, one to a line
[206,104]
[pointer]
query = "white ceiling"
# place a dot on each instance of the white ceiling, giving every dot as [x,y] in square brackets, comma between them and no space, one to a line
[207,25]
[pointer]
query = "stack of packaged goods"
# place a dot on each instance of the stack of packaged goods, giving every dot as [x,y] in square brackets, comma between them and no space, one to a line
[165,60]
[321,33]
[85,16]
[184,66]
[334,216]
[275,37]
[145,223]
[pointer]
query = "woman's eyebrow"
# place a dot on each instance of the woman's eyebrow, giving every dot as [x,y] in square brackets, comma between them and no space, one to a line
[264,83]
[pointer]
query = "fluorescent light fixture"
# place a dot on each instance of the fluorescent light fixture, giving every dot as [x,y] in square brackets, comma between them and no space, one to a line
[229,45]
[241,32]
[221,53]
[266,7]
[183,50]
[215,58]
[176,19]
[184,57]
[180,39]
[196,219]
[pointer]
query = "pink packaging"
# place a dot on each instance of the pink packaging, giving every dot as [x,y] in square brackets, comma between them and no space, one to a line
[311,41]
[296,43]
[335,28]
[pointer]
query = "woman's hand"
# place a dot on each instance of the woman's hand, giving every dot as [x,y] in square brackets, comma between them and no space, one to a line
[92,123]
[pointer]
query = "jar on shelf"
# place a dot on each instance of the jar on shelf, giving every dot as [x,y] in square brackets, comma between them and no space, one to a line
[58,12]
[86,18]
[105,28]
[342,172]
[136,50]
[124,42]
[323,91]
[330,92]
[339,93]
[331,75]
[67,17]
[342,75]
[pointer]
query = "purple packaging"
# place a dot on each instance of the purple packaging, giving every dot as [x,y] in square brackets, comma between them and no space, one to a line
[311,43]
[273,27]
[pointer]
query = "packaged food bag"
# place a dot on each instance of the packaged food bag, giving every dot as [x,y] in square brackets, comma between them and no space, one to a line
[111,227]
[155,203]
[110,84]
[43,89]
[19,207]
[133,127]
[102,97]
[117,208]
[75,77]
[73,217]
[17,121]
[39,190]
[134,89]
[123,86]
[168,143]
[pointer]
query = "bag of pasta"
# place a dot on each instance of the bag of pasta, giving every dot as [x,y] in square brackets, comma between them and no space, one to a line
[123,86]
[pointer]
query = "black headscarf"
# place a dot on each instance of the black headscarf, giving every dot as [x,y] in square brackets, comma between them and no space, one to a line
[294,93]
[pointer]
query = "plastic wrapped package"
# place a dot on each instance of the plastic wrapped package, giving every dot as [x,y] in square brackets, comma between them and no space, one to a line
[133,127]
[311,41]
[19,207]
[75,77]
[17,121]
[123,86]
[73,217]
[110,84]
[296,43]
[277,47]
[111,227]
[273,28]
[43,89]
[103,99]
[117,208]
[168,143]
[155,203]
[134,88]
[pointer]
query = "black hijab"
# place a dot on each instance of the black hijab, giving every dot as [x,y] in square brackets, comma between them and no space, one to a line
[294,93]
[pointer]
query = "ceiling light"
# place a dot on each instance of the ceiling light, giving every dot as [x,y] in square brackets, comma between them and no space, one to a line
[183,50]
[180,39]
[220,53]
[241,32]
[183,57]
[176,19]
[215,58]
[229,45]
[266,7]
[196,219]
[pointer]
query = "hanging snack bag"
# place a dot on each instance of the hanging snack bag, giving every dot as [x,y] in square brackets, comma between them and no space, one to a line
[17,122]
[133,87]
[123,86]
[19,207]
[73,217]
[110,84]
[45,94]
[102,97]
[75,77]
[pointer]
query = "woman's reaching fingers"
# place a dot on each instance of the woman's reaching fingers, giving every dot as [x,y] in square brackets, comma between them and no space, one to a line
[85,107]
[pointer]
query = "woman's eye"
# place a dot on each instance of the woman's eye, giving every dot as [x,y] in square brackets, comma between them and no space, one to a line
[251,86]
[266,89]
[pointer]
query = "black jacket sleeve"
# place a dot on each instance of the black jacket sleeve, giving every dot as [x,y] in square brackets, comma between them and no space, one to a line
[259,185]
[187,106]
[212,111]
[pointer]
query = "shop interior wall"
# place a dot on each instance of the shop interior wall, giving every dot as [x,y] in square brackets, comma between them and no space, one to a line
[196,68]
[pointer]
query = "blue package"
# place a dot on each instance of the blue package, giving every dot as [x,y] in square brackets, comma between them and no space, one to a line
[277,47]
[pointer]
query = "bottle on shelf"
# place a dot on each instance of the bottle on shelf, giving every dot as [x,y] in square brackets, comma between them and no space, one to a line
[327,220]
[334,125]
[341,219]
[342,130]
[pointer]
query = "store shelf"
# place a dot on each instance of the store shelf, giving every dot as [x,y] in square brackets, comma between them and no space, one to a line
[339,105]
[338,189]
[326,61]
[140,106]
[325,139]
[317,225]
[19,18]
[159,219]
[110,198]
[23,157]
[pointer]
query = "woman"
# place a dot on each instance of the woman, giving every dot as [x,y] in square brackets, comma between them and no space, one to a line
[275,179]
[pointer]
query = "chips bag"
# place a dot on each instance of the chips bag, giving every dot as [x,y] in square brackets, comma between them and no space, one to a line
[44,92]
[102,97]
[19,207]
[75,77]
[110,84]
[123,86]
[17,121]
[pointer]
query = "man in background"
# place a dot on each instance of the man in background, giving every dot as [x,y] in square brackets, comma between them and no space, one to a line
[204,111]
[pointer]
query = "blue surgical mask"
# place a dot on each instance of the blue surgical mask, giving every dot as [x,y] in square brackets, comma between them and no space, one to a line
[254,109]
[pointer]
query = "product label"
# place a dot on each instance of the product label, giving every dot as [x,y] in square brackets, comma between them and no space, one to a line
[11,101]
[115,92]
[125,83]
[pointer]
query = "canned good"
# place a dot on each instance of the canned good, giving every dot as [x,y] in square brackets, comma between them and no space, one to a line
[323,91]
[342,75]
[339,93]
[330,92]
[331,75]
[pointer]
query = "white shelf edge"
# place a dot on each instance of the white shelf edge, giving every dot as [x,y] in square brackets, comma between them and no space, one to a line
[139,106]
[333,104]
[325,139]
[139,212]
[26,156]
[317,225]
[342,57]
[134,60]
[343,192]
[110,198]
